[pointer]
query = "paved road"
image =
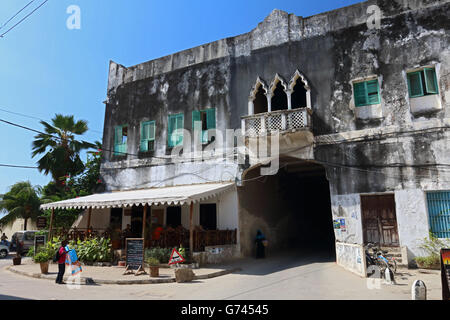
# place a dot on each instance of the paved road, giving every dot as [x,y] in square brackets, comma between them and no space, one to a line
[282,277]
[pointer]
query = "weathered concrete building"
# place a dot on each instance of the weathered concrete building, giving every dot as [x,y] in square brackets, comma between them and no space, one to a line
[353,105]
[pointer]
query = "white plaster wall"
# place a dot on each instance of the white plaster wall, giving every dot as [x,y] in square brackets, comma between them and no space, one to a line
[412,219]
[136,174]
[228,210]
[348,207]
[17,225]
[351,257]
[99,219]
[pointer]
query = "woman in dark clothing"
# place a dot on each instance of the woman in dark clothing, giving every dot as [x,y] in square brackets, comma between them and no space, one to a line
[260,248]
[61,262]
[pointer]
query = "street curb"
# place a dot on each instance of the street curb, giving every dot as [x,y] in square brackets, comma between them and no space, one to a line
[90,281]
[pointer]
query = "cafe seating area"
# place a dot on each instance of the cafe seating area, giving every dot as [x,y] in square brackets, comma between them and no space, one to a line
[170,238]
[166,238]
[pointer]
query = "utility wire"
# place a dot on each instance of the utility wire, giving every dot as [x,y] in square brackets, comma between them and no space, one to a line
[35,118]
[352,167]
[3,25]
[15,166]
[3,34]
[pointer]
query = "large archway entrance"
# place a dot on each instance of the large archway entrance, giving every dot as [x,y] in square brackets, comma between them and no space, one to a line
[292,208]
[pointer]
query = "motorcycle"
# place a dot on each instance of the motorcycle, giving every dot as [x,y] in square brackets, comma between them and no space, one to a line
[378,261]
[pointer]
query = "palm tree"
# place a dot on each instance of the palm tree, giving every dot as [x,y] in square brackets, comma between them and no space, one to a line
[21,201]
[62,151]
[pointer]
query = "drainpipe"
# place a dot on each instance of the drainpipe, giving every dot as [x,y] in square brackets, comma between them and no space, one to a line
[191,229]
[144,222]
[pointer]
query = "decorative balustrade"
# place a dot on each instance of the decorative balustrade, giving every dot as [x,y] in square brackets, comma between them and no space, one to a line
[281,121]
[169,238]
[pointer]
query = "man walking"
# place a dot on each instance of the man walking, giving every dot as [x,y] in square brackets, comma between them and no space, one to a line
[61,262]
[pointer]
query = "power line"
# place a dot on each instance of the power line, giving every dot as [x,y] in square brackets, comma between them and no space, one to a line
[16,166]
[36,118]
[3,34]
[354,167]
[3,25]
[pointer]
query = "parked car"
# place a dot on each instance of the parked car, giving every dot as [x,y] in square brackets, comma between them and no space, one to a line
[4,250]
[25,239]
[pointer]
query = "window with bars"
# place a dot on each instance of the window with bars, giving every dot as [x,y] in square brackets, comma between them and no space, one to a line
[422,83]
[147,136]
[175,130]
[366,93]
[120,140]
[439,213]
[208,121]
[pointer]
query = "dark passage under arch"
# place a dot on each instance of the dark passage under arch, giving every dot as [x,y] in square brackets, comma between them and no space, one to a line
[279,98]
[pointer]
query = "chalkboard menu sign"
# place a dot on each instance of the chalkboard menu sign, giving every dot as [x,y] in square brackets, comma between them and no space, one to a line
[445,273]
[134,253]
[41,222]
[39,241]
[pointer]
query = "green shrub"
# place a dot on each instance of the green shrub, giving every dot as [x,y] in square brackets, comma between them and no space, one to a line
[429,261]
[93,250]
[152,261]
[182,251]
[30,252]
[161,254]
[43,255]
[432,246]
[89,250]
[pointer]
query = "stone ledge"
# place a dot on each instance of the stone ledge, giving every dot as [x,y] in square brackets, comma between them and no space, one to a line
[90,281]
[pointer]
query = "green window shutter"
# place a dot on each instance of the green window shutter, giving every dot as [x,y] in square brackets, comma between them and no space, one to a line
[171,125]
[122,149]
[180,126]
[117,135]
[144,146]
[144,136]
[211,118]
[151,130]
[360,92]
[430,81]
[117,140]
[415,84]
[373,93]
[175,137]
[196,118]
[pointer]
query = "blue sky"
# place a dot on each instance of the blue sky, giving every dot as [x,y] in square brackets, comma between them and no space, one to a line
[47,68]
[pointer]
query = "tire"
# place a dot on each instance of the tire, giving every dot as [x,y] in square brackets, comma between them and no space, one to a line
[3,254]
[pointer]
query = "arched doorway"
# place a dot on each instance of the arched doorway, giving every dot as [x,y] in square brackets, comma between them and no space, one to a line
[293,209]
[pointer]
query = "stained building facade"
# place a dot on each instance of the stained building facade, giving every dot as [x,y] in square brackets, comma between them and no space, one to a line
[330,131]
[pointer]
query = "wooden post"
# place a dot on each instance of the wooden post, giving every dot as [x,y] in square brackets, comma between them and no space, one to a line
[51,225]
[191,230]
[144,222]
[89,220]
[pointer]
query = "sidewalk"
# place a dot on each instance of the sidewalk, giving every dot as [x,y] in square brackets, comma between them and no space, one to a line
[114,274]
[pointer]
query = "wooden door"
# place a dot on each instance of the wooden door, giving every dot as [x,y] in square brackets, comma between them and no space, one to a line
[379,220]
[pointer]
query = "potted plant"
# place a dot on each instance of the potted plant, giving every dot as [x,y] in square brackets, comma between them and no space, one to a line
[17,259]
[154,266]
[42,257]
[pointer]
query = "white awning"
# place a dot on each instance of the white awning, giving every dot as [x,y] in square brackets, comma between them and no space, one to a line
[178,195]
